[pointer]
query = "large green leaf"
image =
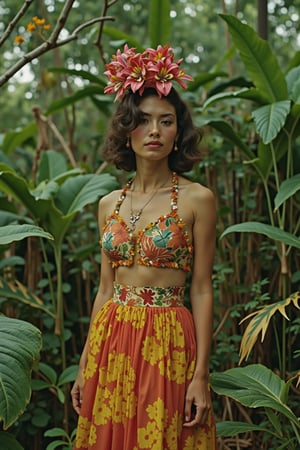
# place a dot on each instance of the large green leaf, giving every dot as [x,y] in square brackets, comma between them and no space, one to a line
[159,22]
[265,161]
[45,190]
[272,232]
[17,291]
[75,193]
[8,218]
[11,233]
[56,214]
[203,78]
[15,138]
[287,189]
[226,130]
[52,164]
[9,442]
[78,73]
[88,91]
[253,386]
[16,186]
[293,83]
[270,119]
[294,61]
[260,63]
[244,93]
[20,345]
[231,428]
[122,38]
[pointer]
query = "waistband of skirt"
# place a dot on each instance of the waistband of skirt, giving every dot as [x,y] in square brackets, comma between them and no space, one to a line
[152,296]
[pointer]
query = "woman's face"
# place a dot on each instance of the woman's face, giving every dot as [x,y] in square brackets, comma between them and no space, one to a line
[154,137]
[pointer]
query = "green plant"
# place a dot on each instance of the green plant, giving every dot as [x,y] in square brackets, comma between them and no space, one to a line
[65,442]
[256,386]
[53,203]
[276,121]
[48,379]
[20,345]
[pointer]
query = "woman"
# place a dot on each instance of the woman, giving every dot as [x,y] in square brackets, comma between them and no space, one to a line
[143,377]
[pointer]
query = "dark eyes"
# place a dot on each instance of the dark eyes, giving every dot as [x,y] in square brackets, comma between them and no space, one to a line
[164,122]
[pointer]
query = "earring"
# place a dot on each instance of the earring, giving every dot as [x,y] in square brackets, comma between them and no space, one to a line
[128,142]
[176,149]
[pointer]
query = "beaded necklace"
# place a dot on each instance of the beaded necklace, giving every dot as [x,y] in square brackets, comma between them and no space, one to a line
[135,216]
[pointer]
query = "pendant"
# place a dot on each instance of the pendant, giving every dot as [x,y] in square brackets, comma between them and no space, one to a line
[133,219]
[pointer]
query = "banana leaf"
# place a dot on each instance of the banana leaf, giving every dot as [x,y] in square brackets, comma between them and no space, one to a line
[20,345]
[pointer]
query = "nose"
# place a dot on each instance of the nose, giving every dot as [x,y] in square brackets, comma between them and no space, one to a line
[154,129]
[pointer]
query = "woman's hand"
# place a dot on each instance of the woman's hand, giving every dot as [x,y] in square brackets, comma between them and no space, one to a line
[197,403]
[76,392]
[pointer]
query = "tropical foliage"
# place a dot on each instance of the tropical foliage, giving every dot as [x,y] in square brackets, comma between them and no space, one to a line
[52,175]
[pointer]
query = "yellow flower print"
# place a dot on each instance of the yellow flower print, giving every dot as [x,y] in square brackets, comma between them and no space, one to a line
[147,437]
[191,370]
[91,367]
[102,410]
[158,413]
[151,437]
[99,331]
[168,329]
[93,435]
[176,367]
[152,351]
[84,426]
[136,316]
[156,349]
[177,333]
[174,431]
[189,443]
[115,399]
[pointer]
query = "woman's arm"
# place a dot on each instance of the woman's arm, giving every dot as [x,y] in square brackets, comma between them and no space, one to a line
[104,293]
[201,295]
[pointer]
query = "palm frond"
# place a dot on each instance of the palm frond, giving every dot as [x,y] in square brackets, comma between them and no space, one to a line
[261,320]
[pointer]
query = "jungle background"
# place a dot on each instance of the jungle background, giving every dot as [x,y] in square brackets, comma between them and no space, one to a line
[245,60]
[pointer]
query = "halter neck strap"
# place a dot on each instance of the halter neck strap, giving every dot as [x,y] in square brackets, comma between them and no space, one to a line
[174,194]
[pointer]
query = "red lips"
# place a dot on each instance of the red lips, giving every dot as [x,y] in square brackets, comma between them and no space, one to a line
[154,144]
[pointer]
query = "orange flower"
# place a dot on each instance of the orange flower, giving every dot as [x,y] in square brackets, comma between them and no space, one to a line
[47,27]
[30,27]
[38,21]
[18,40]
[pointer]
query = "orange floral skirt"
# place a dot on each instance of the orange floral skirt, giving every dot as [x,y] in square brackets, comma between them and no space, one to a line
[141,359]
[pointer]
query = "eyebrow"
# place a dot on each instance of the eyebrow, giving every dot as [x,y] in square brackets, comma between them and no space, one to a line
[161,115]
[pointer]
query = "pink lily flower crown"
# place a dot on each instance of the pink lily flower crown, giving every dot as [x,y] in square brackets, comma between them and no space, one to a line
[136,71]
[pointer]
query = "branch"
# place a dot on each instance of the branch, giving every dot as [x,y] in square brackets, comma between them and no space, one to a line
[106,6]
[14,21]
[49,45]
[44,122]
[61,20]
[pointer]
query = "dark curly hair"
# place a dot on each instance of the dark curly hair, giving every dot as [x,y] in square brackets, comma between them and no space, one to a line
[128,116]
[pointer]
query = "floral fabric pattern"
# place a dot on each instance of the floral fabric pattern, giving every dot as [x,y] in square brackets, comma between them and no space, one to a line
[164,243]
[141,359]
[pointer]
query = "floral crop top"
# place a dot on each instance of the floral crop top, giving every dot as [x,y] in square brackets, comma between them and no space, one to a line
[164,243]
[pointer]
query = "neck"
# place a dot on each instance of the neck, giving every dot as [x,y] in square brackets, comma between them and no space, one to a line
[147,180]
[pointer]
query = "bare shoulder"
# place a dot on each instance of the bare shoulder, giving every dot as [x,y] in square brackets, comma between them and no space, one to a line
[109,199]
[196,194]
[107,204]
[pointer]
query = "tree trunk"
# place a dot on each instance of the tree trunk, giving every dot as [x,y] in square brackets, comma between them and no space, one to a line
[262,19]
